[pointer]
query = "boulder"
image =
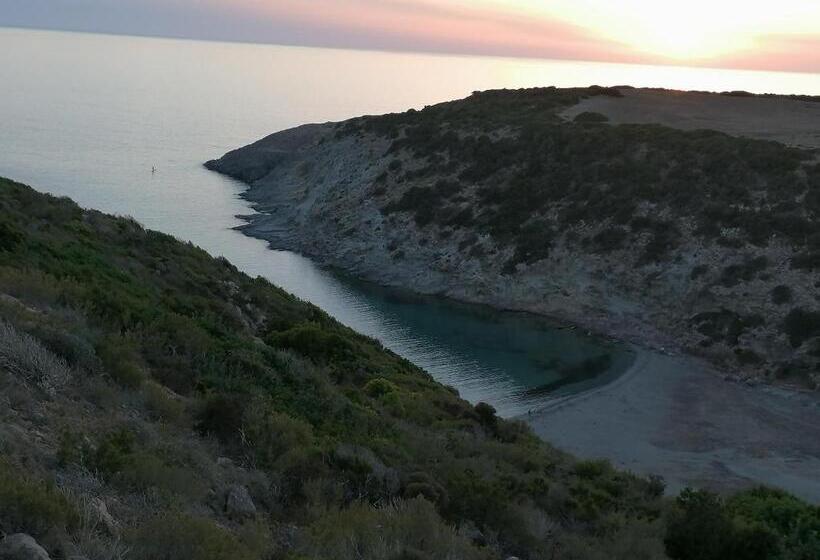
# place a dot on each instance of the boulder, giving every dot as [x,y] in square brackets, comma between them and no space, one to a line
[21,547]
[238,503]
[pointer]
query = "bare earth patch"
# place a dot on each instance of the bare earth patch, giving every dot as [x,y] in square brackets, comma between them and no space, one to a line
[792,122]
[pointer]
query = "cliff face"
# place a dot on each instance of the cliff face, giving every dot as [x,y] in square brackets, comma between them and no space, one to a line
[693,240]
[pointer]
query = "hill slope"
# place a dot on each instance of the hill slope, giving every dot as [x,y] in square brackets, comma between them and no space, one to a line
[157,403]
[690,239]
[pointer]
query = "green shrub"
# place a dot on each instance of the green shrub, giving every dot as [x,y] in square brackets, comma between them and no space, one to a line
[161,403]
[795,524]
[10,236]
[121,360]
[29,505]
[423,484]
[73,449]
[379,387]
[113,452]
[697,528]
[592,469]
[312,341]
[274,437]
[145,470]
[405,529]
[173,536]
[755,524]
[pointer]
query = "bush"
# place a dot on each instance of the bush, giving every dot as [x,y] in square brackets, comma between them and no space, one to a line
[24,356]
[222,415]
[161,403]
[312,341]
[592,469]
[422,484]
[486,415]
[144,470]
[29,505]
[756,524]
[173,536]
[10,236]
[801,325]
[697,528]
[379,387]
[591,117]
[121,360]
[274,436]
[113,453]
[781,295]
[405,529]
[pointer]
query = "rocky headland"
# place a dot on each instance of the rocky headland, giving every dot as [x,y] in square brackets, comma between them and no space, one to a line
[683,221]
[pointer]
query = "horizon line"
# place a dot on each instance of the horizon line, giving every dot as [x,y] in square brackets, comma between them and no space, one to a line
[387,50]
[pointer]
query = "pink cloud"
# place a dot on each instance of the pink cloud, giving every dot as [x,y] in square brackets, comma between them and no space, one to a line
[780,52]
[424,26]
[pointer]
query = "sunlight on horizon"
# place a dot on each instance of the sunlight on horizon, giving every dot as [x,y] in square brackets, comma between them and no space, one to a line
[691,31]
[706,33]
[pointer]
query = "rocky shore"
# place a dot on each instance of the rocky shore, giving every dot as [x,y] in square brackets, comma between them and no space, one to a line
[335,191]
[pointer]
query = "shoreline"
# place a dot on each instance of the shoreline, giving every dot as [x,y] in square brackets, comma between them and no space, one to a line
[671,415]
[671,412]
[272,227]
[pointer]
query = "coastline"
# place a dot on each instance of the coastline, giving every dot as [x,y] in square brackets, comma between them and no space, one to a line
[672,415]
[669,412]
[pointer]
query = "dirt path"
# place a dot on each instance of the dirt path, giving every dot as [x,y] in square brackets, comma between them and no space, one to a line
[669,415]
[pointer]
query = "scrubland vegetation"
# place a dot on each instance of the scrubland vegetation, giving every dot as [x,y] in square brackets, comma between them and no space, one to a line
[157,403]
[505,166]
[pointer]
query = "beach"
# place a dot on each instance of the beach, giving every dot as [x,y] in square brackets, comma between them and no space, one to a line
[671,415]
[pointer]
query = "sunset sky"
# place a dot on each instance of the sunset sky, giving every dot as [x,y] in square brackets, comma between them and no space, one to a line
[781,35]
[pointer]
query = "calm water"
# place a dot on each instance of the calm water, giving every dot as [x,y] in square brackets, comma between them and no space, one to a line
[87,116]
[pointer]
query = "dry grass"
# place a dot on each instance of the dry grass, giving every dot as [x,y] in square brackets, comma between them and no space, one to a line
[23,356]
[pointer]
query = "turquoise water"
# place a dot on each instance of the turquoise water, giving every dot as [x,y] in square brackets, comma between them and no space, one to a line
[88,116]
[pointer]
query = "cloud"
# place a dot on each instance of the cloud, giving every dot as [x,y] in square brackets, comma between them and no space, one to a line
[424,26]
[778,52]
[443,26]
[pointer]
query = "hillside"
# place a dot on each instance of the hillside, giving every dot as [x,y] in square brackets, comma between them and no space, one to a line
[552,201]
[157,403]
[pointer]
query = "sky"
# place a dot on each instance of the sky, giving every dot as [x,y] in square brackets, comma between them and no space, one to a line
[780,35]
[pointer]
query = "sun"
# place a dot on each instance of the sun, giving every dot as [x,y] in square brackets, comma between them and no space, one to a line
[695,30]
[682,34]
[683,42]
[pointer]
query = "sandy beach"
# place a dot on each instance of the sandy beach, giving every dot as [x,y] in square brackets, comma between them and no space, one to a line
[671,415]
